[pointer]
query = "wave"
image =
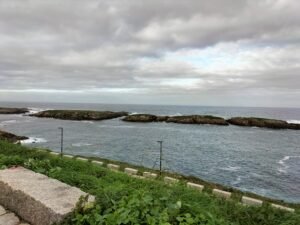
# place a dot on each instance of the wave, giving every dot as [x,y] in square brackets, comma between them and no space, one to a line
[293,121]
[81,144]
[8,121]
[33,140]
[283,161]
[231,168]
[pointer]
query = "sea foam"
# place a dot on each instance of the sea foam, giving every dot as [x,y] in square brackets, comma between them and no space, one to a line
[33,140]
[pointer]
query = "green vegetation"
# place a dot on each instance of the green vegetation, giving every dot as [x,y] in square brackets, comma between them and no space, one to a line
[121,199]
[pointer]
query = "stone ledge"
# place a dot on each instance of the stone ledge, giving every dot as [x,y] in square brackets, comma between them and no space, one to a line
[222,194]
[35,197]
[251,201]
[283,207]
[170,180]
[195,186]
[98,162]
[150,175]
[131,171]
[113,167]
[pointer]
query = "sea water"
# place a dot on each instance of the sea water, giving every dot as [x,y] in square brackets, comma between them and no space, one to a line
[258,160]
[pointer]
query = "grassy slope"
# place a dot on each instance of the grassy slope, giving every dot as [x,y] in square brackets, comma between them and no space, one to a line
[125,200]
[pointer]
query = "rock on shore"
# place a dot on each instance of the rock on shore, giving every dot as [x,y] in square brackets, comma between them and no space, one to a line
[79,114]
[5,136]
[13,110]
[190,119]
[262,122]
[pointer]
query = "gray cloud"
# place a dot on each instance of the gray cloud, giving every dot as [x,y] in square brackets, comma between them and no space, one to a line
[138,51]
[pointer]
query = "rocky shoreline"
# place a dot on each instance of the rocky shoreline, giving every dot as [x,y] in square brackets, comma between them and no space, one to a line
[191,119]
[79,114]
[207,119]
[4,110]
[6,136]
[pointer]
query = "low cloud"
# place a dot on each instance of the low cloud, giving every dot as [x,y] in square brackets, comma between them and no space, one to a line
[156,52]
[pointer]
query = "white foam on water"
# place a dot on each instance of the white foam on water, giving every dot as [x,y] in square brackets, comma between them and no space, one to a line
[87,121]
[231,168]
[7,122]
[135,113]
[283,162]
[293,121]
[33,140]
[34,110]
[80,144]
[176,114]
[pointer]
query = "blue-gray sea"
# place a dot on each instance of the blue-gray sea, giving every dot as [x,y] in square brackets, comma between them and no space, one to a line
[258,160]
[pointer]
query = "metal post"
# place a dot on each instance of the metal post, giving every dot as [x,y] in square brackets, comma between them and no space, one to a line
[61,140]
[160,157]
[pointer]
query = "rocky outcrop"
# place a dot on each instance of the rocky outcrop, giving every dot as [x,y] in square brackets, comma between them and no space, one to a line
[13,110]
[5,136]
[262,122]
[197,119]
[206,119]
[191,119]
[79,114]
[145,118]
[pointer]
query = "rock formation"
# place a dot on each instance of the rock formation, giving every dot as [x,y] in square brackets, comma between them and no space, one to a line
[262,122]
[190,119]
[13,110]
[5,136]
[79,114]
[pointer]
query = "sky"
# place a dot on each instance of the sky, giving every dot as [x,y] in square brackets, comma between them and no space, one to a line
[191,52]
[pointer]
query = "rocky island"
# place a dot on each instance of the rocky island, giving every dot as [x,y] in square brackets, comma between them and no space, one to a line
[6,136]
[207,119]
[189,119]
[263,122]
[4,110]
[79,114]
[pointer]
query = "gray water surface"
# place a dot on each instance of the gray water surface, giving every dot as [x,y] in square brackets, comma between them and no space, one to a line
[263,161]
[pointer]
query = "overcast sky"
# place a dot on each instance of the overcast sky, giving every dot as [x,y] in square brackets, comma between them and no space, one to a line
[216,52]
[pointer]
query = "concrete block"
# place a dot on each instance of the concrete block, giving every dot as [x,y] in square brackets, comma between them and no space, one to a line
[113,167]
[54,153]
[283,207]
[98,162]
[2,210]
[251,201]
[9,219]
[170,180]
[35,197]
[138,177]
[195,186]
[68,156]
[150,175]
[82,159]
[222,194]
[131,171]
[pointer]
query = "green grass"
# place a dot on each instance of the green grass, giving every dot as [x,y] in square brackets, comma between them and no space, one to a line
[121,199]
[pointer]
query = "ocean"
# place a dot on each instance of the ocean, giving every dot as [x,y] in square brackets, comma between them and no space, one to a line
[258,160]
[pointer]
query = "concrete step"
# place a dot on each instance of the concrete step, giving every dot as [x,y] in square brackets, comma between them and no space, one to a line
[35,197]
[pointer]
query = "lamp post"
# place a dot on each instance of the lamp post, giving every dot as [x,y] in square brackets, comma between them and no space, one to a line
[61,140]
[160,157]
